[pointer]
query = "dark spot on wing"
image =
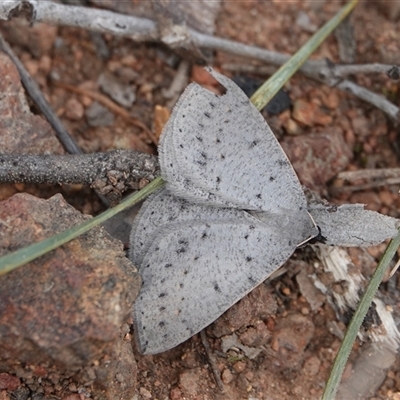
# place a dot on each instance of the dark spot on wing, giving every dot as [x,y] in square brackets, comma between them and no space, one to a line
[185,272]
[248,259]
[218,179]
[183,241]
[282,162]
[162,294]
[212,105]
[217,288]
[226,121]
[181,250]
[167,265]
[222,157]
[251,280]
[161,324]
[254,143]
[258,196]
[161,309]
[207,115]
[204,235]
[246,236]
[271,178]
[181,146]
[201,125]
[251,227]
[199,138]
[217,141]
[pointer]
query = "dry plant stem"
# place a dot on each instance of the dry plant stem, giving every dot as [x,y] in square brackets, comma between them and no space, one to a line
[142,29]
[355,188]
[128,167]
[381,173]
[378,101]
[37,96]
[212,361]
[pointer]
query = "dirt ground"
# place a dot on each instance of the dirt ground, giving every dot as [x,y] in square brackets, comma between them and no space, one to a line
[296,345]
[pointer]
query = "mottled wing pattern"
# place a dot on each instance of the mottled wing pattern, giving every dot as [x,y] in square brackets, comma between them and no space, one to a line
[194,271]
[218,150]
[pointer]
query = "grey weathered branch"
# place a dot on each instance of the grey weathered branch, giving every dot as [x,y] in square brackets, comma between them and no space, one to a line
[143,29]
[110,173]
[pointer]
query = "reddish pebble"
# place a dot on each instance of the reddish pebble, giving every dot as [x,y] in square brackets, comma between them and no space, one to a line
[202,77]
[227,376]
[74,109]
[74,396]
[175,394]
[331,101]
[9,382]
[239,366]
[386,197]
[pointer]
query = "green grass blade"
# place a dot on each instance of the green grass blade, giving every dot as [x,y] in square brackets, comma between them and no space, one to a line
[358,317]
[271,87]
[29,253]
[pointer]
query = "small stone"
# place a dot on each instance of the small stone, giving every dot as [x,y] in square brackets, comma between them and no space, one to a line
[386,198]
[311,366]
[239,366]
[8,382]
[286,291]
[332,100]
[98,115]
[189,360]
[73,396]
[161,116]
[227,376]
[361,126]
[257,335]
[121,93]
[309,114]
[305,310]
[145,393]
[175,394]
[4,395]
[201,76]
[292,127]
[188,381]
[290,338]
[74,109]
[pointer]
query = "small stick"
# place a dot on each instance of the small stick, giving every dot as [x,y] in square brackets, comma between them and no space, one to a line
[380,173]
[110,173]
[366,186]
[212,361]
